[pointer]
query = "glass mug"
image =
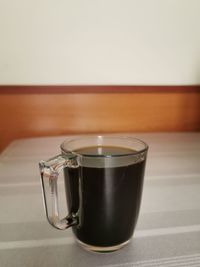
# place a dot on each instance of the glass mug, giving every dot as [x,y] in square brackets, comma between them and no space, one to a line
[103,182]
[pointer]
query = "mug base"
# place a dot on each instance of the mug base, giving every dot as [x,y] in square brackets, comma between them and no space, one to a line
[101,249]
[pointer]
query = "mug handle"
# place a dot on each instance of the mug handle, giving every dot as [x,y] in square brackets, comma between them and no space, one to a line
[49,171]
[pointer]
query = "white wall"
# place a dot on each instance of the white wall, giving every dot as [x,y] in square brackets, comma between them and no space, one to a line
[99,42]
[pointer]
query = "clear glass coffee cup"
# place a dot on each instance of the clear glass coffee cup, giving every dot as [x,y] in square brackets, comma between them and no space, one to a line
[103,183]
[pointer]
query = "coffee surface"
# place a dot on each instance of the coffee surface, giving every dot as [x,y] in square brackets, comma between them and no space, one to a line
[107,199]
[105,151]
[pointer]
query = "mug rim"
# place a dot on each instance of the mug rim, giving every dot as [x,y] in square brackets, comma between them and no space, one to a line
[122,137]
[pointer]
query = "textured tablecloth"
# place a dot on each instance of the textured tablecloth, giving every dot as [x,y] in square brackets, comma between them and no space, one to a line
[168,230]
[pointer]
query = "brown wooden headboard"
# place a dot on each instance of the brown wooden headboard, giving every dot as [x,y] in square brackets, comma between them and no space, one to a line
[29,111]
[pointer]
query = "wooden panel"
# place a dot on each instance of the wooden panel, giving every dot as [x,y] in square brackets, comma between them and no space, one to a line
[63,89]
[28,115]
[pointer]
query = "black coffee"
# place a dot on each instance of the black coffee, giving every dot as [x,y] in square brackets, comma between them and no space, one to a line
[108,199]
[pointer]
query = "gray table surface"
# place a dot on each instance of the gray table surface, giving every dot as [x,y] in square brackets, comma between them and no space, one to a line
[168,230]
